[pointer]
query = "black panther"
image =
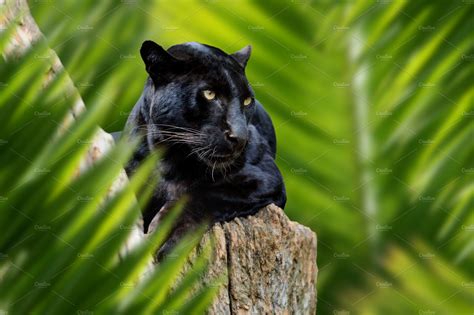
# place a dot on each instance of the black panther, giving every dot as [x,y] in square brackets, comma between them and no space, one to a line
[218,141]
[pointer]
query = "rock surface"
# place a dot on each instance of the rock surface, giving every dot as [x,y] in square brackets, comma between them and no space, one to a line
[269,263]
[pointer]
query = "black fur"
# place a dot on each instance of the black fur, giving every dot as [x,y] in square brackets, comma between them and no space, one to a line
[238,175]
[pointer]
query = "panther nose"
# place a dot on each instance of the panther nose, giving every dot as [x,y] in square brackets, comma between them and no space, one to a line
[234,139]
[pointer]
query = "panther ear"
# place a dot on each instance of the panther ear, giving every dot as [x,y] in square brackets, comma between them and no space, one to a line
[157,60]
[243,55]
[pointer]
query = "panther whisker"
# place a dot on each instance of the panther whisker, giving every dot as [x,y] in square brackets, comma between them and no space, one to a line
[212,172]
[197,150]
[190,130]
[182,138]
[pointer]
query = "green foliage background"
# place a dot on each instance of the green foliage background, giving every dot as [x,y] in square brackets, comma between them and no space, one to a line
[372,102]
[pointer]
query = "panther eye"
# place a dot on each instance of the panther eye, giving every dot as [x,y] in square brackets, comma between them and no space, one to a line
[247,101]
[209,95]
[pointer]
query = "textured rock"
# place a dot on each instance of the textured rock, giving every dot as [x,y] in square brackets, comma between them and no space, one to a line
[269,263]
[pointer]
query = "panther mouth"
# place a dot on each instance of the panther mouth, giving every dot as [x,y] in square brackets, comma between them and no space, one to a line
[219,161]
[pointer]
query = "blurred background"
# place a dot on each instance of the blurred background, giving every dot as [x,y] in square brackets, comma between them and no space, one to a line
[372,103]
